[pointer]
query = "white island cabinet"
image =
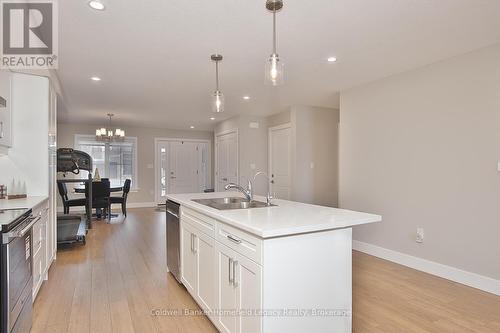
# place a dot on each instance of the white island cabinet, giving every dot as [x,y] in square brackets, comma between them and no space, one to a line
[285,268]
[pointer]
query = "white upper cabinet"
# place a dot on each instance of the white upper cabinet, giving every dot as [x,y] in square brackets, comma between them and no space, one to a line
[5,109]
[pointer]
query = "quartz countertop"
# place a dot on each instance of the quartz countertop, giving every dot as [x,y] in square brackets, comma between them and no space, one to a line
[285,219]
[29,202]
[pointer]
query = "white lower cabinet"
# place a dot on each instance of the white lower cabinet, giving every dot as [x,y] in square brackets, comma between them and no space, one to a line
[188,258]
[224,283]
[41,261]
[226,290]
[205,291]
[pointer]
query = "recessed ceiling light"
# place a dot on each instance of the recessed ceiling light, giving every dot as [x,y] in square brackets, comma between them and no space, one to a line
[246,97]
[332,59]
[191,127]
[97,5]
[212,118]
[95,78]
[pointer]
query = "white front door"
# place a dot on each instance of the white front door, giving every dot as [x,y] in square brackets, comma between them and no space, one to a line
[280,161]
[227,159]
[181,167]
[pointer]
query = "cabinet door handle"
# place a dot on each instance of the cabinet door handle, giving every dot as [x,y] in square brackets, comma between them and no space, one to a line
[230,269]
[235,279]
[191,242]
[224,179]
[195,250]
[234,239]
[1,129]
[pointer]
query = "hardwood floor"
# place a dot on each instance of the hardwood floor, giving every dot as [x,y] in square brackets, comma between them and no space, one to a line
[116,281]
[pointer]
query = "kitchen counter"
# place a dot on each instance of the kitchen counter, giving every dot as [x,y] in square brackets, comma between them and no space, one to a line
[285,219]
[28,202]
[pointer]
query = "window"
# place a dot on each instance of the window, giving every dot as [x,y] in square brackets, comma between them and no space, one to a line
[115,160]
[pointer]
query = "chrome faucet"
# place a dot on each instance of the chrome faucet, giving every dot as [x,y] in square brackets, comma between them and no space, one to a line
[269,197]
[248,192]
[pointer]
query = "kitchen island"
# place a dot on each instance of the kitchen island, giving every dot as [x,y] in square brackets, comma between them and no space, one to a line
[285,268]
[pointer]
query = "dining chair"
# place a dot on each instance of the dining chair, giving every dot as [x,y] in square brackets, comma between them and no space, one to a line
[123,199]
[100,197]
[67,202]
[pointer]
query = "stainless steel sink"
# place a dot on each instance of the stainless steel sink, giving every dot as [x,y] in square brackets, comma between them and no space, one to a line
[231,203]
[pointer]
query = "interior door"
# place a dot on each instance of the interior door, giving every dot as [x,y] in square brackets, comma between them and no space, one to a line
[280,161]
[227,159]
[183,167]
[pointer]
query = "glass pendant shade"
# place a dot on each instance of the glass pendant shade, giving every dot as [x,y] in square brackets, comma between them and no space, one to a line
[274,71]
[218,102]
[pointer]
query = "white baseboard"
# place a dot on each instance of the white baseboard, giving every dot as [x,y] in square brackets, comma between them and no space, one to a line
[447,272]
[115,206]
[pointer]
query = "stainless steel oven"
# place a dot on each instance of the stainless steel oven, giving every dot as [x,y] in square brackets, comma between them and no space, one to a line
[16,274]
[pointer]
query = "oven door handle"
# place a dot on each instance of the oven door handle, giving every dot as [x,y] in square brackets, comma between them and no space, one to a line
[22,232]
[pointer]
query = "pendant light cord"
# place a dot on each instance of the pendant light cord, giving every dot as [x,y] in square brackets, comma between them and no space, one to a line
[274,31]
[217,75]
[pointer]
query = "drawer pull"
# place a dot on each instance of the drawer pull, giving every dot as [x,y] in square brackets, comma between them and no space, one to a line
[234,239]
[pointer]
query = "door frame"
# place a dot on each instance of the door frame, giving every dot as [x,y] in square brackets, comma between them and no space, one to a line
[157,160]
[216,144]
[270,153]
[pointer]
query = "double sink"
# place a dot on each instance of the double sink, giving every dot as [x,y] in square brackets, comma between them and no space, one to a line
[231,203]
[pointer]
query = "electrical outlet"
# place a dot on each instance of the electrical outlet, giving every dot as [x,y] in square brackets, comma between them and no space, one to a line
[420,235]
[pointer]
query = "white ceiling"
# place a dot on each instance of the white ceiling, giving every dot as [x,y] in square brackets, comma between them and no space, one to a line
[154,55]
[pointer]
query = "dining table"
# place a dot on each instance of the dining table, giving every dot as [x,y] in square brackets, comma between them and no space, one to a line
[81,190]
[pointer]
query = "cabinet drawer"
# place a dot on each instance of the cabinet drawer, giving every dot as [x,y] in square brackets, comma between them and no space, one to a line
[201,222]
[240,241]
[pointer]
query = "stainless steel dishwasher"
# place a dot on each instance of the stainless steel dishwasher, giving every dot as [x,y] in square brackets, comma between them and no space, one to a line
[173,239]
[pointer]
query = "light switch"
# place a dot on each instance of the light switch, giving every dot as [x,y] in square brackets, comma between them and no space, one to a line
[312,165]
[150,166]
[498,167]
[254,125]
[252,166]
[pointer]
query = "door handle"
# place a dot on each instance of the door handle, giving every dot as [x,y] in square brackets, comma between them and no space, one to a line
[230,268]
[224,179]
[235,279]
[272,181]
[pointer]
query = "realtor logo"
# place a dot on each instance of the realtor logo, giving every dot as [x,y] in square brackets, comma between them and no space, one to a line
[29,34]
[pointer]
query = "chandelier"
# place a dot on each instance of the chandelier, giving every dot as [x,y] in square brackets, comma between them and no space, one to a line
[108,134]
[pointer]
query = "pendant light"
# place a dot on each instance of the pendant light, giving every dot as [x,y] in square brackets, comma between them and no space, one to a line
[274,66]
[103,134]
[217,97]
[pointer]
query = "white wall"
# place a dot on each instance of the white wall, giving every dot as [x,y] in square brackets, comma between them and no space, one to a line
[145,151]
[421,149]
[252,148]
[27,160]
[314,142]
[315,154]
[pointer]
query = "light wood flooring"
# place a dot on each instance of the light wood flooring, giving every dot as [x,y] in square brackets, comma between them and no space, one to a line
[115,282]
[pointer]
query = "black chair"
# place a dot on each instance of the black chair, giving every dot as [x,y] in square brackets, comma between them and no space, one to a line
[100,197]
[67,203]
[123,199]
